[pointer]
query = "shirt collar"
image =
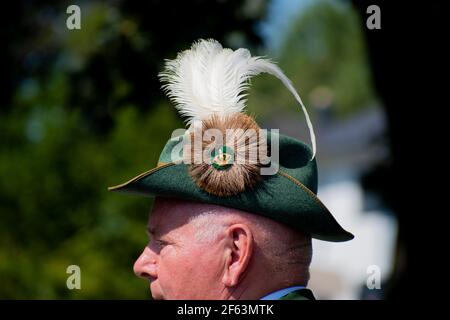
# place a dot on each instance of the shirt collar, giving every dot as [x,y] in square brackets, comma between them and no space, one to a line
[280,293]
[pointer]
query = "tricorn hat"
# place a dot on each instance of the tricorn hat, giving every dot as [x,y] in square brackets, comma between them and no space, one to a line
[224,157]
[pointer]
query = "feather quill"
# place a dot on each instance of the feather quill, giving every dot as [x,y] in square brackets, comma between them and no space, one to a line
[208,79]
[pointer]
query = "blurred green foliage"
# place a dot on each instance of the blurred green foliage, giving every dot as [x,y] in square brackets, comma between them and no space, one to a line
[82,110]
[55,210]
[85,111]
[324,55]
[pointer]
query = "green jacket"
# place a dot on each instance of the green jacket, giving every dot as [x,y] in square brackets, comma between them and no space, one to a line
[300,294]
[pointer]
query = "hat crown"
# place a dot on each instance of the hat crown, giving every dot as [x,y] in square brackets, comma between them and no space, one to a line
[294,158]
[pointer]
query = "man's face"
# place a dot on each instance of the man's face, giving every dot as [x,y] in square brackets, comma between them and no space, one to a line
[177,265]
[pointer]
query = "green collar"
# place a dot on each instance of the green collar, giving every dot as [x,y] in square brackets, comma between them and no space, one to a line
[300,294]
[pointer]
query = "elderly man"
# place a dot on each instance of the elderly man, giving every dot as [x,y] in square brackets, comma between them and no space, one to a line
[235,206]
[203,251]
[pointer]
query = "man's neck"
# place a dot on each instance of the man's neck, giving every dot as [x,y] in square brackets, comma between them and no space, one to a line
[257,290]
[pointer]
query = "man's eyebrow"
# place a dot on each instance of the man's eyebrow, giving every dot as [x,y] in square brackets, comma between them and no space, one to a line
[153,232]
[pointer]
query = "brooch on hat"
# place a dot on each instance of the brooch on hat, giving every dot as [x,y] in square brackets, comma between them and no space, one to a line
[208,85]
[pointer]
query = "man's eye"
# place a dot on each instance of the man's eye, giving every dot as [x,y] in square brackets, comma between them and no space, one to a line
[161,243]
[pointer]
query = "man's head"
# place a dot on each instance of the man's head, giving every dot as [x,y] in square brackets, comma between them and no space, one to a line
[204,251]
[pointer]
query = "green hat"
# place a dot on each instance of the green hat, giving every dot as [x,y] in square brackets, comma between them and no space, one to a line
[264,172]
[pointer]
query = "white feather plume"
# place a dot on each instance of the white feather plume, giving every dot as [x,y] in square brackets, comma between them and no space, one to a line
[208,79]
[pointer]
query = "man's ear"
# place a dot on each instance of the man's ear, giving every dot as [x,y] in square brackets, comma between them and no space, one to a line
[239,249]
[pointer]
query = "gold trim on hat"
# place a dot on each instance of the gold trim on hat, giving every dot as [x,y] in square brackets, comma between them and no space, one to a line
[305,188]
[160,165]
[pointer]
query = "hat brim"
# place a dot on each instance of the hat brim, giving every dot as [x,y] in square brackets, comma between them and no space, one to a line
[280,197]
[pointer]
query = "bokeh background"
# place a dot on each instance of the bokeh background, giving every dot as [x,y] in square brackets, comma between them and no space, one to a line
[81,110]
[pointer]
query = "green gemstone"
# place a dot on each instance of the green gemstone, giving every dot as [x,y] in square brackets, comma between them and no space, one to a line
[222,158]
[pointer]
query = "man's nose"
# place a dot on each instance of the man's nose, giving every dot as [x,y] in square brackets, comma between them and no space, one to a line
[145,265]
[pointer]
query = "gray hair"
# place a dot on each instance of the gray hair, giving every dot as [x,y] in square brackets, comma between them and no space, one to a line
[207,225]
[281,245]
